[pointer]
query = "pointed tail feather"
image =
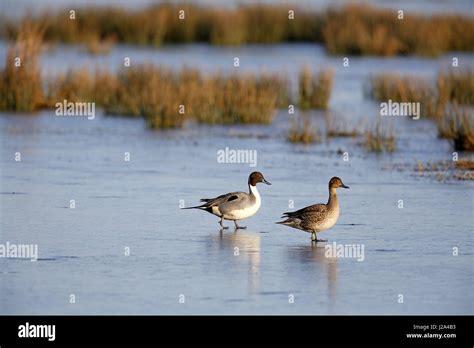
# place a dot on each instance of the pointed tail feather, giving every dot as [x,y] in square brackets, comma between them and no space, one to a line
[290,214]
[196,207]
[285,222]
[202,207]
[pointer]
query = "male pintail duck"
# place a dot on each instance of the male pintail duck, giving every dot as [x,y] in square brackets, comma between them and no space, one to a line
[235,205]
[318,217]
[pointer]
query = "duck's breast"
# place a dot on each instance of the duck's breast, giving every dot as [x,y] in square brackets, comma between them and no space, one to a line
[329,220]
[242,212]
[243,208]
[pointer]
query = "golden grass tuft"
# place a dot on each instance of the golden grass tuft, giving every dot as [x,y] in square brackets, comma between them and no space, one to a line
[451,86]
[315,90]
[236,99]
[302,132]
[456,86]
[405,89]
[21,85]
[97,46]
[339,127]
[458,125]
[378,139]
[441,101]
[465,164]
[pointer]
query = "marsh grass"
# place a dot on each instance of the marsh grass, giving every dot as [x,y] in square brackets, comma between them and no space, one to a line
[448,101]
[302,131]
[315,89]
[236,99]
[164,97]
[340,127]
[158,94]
[456,86]
[434,97]
[458,126]
[404,89]
[463,169]
[465,164]
[97,46]
[21,85]
[82,85]
[352,29]
[364,30]
[378,139]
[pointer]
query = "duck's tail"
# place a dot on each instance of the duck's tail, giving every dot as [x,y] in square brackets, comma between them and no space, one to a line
[196,207]
[285,222]
[205,207]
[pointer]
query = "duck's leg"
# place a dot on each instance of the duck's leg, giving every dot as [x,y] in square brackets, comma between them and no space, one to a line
[222,225]
[237,226]
[315,239]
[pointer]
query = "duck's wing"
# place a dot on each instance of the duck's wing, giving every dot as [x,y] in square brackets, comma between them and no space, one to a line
[228,197]
[313,211]
[304,218]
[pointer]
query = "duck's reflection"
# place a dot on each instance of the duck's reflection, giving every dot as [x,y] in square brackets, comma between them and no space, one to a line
[312,258]
[244,248]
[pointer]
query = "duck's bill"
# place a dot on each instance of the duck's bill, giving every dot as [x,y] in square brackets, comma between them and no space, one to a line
[266,182]
[344,186]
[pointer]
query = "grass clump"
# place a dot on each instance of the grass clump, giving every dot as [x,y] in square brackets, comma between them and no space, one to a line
[456,86]
[405,89]
[20,80]
[458,126]
[379,140]
[315,90]
[236,99]
[97,46]
[444,101]
[339,127]
[302,132]
[450,87]
[465,164]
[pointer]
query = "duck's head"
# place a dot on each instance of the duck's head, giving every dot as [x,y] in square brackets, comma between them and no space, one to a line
[257,177]
[336,182]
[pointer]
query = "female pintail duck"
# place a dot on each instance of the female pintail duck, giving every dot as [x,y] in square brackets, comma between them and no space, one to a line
[235,205]
[318,217]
